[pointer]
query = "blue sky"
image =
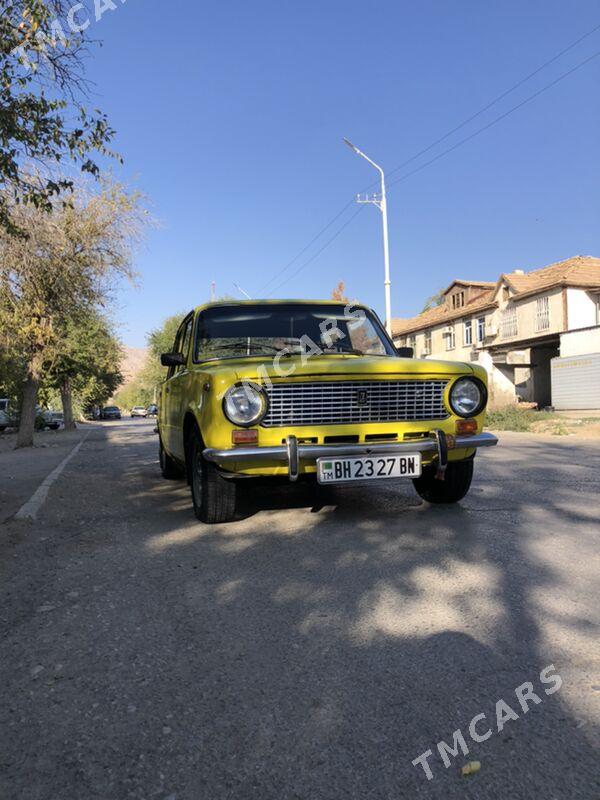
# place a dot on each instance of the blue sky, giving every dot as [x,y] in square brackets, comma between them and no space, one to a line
[230,117]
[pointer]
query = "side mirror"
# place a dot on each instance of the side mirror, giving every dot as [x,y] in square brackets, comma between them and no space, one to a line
[405,352]
[172,359]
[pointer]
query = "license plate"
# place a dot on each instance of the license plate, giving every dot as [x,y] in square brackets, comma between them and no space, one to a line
[366,468]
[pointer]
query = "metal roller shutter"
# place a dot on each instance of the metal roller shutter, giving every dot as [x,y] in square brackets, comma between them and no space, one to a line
[576,382]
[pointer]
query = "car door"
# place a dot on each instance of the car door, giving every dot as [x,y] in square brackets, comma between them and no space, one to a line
[175,390]
[165,412]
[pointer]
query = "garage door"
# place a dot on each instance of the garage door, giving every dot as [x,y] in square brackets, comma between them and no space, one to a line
[576,382]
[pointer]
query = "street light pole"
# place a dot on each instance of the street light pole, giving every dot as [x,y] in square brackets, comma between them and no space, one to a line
[381,203]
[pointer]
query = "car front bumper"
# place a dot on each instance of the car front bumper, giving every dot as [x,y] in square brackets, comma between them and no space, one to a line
[292,453]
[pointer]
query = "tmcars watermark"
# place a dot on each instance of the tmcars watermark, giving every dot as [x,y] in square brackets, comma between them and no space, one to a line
[307,348]
[77,20]
[525,695]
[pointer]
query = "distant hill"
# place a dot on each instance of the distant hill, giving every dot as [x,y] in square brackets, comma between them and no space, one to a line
[132,363]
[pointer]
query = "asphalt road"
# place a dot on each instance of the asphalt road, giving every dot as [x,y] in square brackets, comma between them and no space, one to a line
[312,649]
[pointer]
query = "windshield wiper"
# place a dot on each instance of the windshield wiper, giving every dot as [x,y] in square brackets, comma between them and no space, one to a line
[241,346]
[347,351]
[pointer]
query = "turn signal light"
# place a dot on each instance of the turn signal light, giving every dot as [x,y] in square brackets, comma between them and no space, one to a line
[246,436]
[466,426]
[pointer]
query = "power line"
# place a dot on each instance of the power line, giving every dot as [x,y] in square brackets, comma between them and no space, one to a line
[497,119]
[493,102]
[304,249]
[319,251]
[440,155]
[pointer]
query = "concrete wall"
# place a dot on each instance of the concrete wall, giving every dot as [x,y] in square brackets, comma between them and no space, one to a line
[500,382]
[582,309]
[526,311]
[577,343]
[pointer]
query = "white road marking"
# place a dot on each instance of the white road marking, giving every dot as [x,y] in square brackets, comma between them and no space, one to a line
[30,509]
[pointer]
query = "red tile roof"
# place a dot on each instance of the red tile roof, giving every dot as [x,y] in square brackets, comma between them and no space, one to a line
[581,271]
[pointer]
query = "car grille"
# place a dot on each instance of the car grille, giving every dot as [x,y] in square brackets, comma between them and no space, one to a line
[347,402]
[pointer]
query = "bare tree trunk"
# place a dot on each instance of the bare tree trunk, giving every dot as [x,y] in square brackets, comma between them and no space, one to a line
[66,397]
[28,403]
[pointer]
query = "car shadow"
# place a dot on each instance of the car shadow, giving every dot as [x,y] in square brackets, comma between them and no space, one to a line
[318,645]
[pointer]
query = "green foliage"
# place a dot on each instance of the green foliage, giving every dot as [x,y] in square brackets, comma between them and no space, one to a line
[513,418]
[64,269]
[134,394]
[43,119]
[141,390]
[87,360]
[435,300]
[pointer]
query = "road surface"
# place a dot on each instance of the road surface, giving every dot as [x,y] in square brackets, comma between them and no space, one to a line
[311,650]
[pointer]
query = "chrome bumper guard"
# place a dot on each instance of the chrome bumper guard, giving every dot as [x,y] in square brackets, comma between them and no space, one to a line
[293,453]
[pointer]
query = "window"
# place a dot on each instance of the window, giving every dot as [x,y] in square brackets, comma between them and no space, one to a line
[412,342]
[509,322]
[182,343]
[481,329]
[468,333]
[458,300]
[450,338]
[598,309]
[542,317]
[427,346]
[187,336]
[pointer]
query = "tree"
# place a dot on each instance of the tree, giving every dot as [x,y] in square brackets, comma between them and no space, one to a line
[339,293]
[43,119]
[435,300]
[68,263]
[86,366]
[160,340]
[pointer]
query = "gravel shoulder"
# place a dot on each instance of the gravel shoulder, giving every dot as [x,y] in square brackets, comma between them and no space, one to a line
[22,471]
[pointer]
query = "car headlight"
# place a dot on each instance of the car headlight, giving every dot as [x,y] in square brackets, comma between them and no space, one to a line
[468,397]
[245,404]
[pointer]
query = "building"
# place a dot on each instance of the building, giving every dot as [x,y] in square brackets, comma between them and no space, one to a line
[520,328]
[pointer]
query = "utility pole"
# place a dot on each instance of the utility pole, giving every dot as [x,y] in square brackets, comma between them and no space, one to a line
[213,292]
[381,202]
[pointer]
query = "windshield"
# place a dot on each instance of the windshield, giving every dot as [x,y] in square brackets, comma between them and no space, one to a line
[245,330]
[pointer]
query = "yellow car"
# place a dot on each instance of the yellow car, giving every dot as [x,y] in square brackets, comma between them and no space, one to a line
[315,391]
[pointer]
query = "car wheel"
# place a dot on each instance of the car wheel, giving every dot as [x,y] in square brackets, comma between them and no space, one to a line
[213,496]
[169,468]
[453,488]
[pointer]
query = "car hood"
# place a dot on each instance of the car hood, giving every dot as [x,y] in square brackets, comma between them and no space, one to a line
[322,367]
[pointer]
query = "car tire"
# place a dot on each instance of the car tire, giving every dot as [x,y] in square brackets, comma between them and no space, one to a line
[168,467]
[456,483]
[214,497]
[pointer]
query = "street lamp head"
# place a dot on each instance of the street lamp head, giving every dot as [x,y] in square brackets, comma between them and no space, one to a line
[350,145]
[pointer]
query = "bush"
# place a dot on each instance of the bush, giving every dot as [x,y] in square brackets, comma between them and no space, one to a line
[513,418]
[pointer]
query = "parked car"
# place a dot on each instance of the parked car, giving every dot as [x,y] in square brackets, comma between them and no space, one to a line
[9,412]
[110,412]
[259,389]
[138,411]
[52,419]
[152,411]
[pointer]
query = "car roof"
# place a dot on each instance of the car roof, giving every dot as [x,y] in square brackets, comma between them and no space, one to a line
[218,303]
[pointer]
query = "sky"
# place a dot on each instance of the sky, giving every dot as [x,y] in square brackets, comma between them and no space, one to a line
[230,118]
